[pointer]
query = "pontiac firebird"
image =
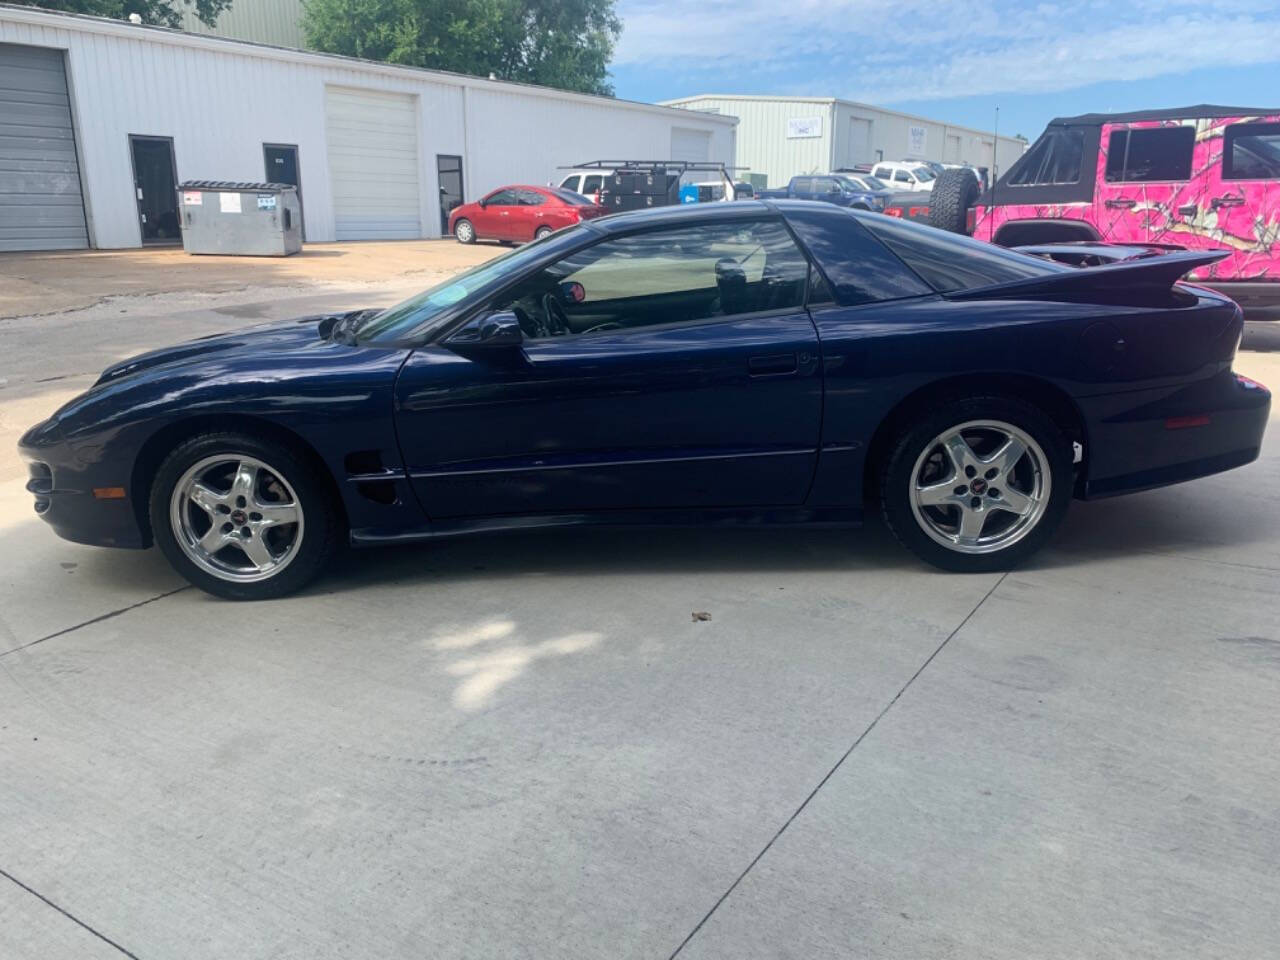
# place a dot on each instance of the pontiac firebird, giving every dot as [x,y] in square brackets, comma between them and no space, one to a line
[775,362]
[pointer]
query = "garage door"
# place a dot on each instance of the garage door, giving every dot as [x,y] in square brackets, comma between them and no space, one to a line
[690,144]
[373,164]
[40,204]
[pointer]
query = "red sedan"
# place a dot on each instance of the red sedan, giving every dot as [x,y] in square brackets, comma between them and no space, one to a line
[520,213]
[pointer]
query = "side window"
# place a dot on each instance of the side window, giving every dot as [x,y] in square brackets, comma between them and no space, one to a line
[901,176]
[826,185]
[501,198]
[1153,154]
[683,275]
[1251,151]
[803,185]
[570,183]
[592,184]
[1056,158]
[882,173]
[528,198]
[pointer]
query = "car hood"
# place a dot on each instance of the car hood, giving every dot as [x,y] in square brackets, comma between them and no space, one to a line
[262,339]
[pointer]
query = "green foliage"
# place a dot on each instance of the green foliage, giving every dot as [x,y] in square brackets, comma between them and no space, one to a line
[167,13]
[556,43]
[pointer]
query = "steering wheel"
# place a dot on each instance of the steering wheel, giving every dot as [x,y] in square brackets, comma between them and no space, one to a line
[557,319]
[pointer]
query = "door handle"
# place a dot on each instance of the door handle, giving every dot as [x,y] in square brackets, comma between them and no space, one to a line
[773,365]
[1122,202]
[1228,200]
[1187,210]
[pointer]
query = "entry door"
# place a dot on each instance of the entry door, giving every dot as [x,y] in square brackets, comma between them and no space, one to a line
[155,186]
[669,369]
[449,175]
[281,161]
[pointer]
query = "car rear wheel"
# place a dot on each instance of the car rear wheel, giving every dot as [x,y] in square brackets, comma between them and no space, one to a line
[542,232]
[242,517]
[464,231]
[977,484]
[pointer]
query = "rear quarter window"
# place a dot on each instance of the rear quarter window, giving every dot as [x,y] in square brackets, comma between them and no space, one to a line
[860,269]
[950,263]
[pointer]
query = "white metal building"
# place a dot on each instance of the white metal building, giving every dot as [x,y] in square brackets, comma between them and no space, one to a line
[785,136]
[100,119]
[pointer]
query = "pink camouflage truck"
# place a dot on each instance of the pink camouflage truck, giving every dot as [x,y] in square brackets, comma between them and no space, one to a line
[1203,177]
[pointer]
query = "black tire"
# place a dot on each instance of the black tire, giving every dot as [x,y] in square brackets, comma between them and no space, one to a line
[464,230]
[542,232]
[954,192]
[911,523]
[315,539]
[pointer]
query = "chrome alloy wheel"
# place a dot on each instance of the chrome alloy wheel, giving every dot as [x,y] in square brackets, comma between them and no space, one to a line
[464,231]
[980,487]
[237,518]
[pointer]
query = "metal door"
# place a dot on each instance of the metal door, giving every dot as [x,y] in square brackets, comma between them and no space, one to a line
[449,175]
[155,187]
[281,162]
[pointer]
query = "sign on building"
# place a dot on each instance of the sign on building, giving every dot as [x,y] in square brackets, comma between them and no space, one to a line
[917,137]
[803,127]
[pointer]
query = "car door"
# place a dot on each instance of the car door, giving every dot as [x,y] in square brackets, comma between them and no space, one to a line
[494,216]
[668,368]
[1143,168]
[533,213]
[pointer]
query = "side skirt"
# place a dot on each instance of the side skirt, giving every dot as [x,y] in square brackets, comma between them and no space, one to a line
[729,517]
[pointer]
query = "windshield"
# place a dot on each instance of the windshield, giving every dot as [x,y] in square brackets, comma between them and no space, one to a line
[848,183]
[923,173]
[871,183]
[399,321]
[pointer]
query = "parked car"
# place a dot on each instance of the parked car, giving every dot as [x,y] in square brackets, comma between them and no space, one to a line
[908,206]
[1203,177]
[909,177]
[839,189]
[520,213]
[719,363]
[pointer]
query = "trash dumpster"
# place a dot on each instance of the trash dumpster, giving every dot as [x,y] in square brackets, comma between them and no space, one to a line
[249,219]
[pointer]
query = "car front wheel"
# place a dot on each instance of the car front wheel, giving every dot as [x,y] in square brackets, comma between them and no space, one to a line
[242,517]
[464,231]
[977,484]
[542,232]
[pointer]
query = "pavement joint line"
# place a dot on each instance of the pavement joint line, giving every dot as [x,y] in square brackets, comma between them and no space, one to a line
[70,916]
[830,773]
[98,619]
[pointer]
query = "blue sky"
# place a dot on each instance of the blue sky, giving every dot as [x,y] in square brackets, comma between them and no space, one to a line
[957,61]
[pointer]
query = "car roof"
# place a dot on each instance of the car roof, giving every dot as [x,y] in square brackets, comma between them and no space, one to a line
[737,210]
[1200,110]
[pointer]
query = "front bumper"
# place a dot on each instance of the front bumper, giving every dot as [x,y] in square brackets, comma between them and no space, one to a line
[1137,441]
[63,488]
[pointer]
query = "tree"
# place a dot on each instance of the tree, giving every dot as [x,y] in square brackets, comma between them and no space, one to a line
[167,13]
[556,43]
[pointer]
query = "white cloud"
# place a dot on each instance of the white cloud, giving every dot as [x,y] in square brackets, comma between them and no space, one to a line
[932,49]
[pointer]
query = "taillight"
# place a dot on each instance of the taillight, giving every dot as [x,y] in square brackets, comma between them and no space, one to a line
[971,220]
[918,212]
[893,212]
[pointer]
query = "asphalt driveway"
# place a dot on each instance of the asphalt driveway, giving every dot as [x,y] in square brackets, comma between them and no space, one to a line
[527,746]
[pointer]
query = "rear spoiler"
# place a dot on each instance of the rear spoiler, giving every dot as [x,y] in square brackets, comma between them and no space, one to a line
[1156,274]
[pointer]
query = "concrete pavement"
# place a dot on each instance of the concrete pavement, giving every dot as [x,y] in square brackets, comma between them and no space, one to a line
[526,747]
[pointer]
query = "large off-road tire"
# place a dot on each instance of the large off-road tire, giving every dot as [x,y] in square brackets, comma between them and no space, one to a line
[954,192]
[464,231]
[243,516]
[977,483]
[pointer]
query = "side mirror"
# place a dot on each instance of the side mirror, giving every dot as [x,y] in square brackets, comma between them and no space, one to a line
[501,329]
[482,203]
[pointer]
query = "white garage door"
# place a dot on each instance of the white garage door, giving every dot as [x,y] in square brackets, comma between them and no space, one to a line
[373,164]
[40,205]
[690,144]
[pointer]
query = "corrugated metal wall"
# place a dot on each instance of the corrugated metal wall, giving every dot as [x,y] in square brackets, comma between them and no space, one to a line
[263,21]
[221,101]
[765,146]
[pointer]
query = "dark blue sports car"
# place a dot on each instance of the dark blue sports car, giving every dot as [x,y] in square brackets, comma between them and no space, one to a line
[746,362]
